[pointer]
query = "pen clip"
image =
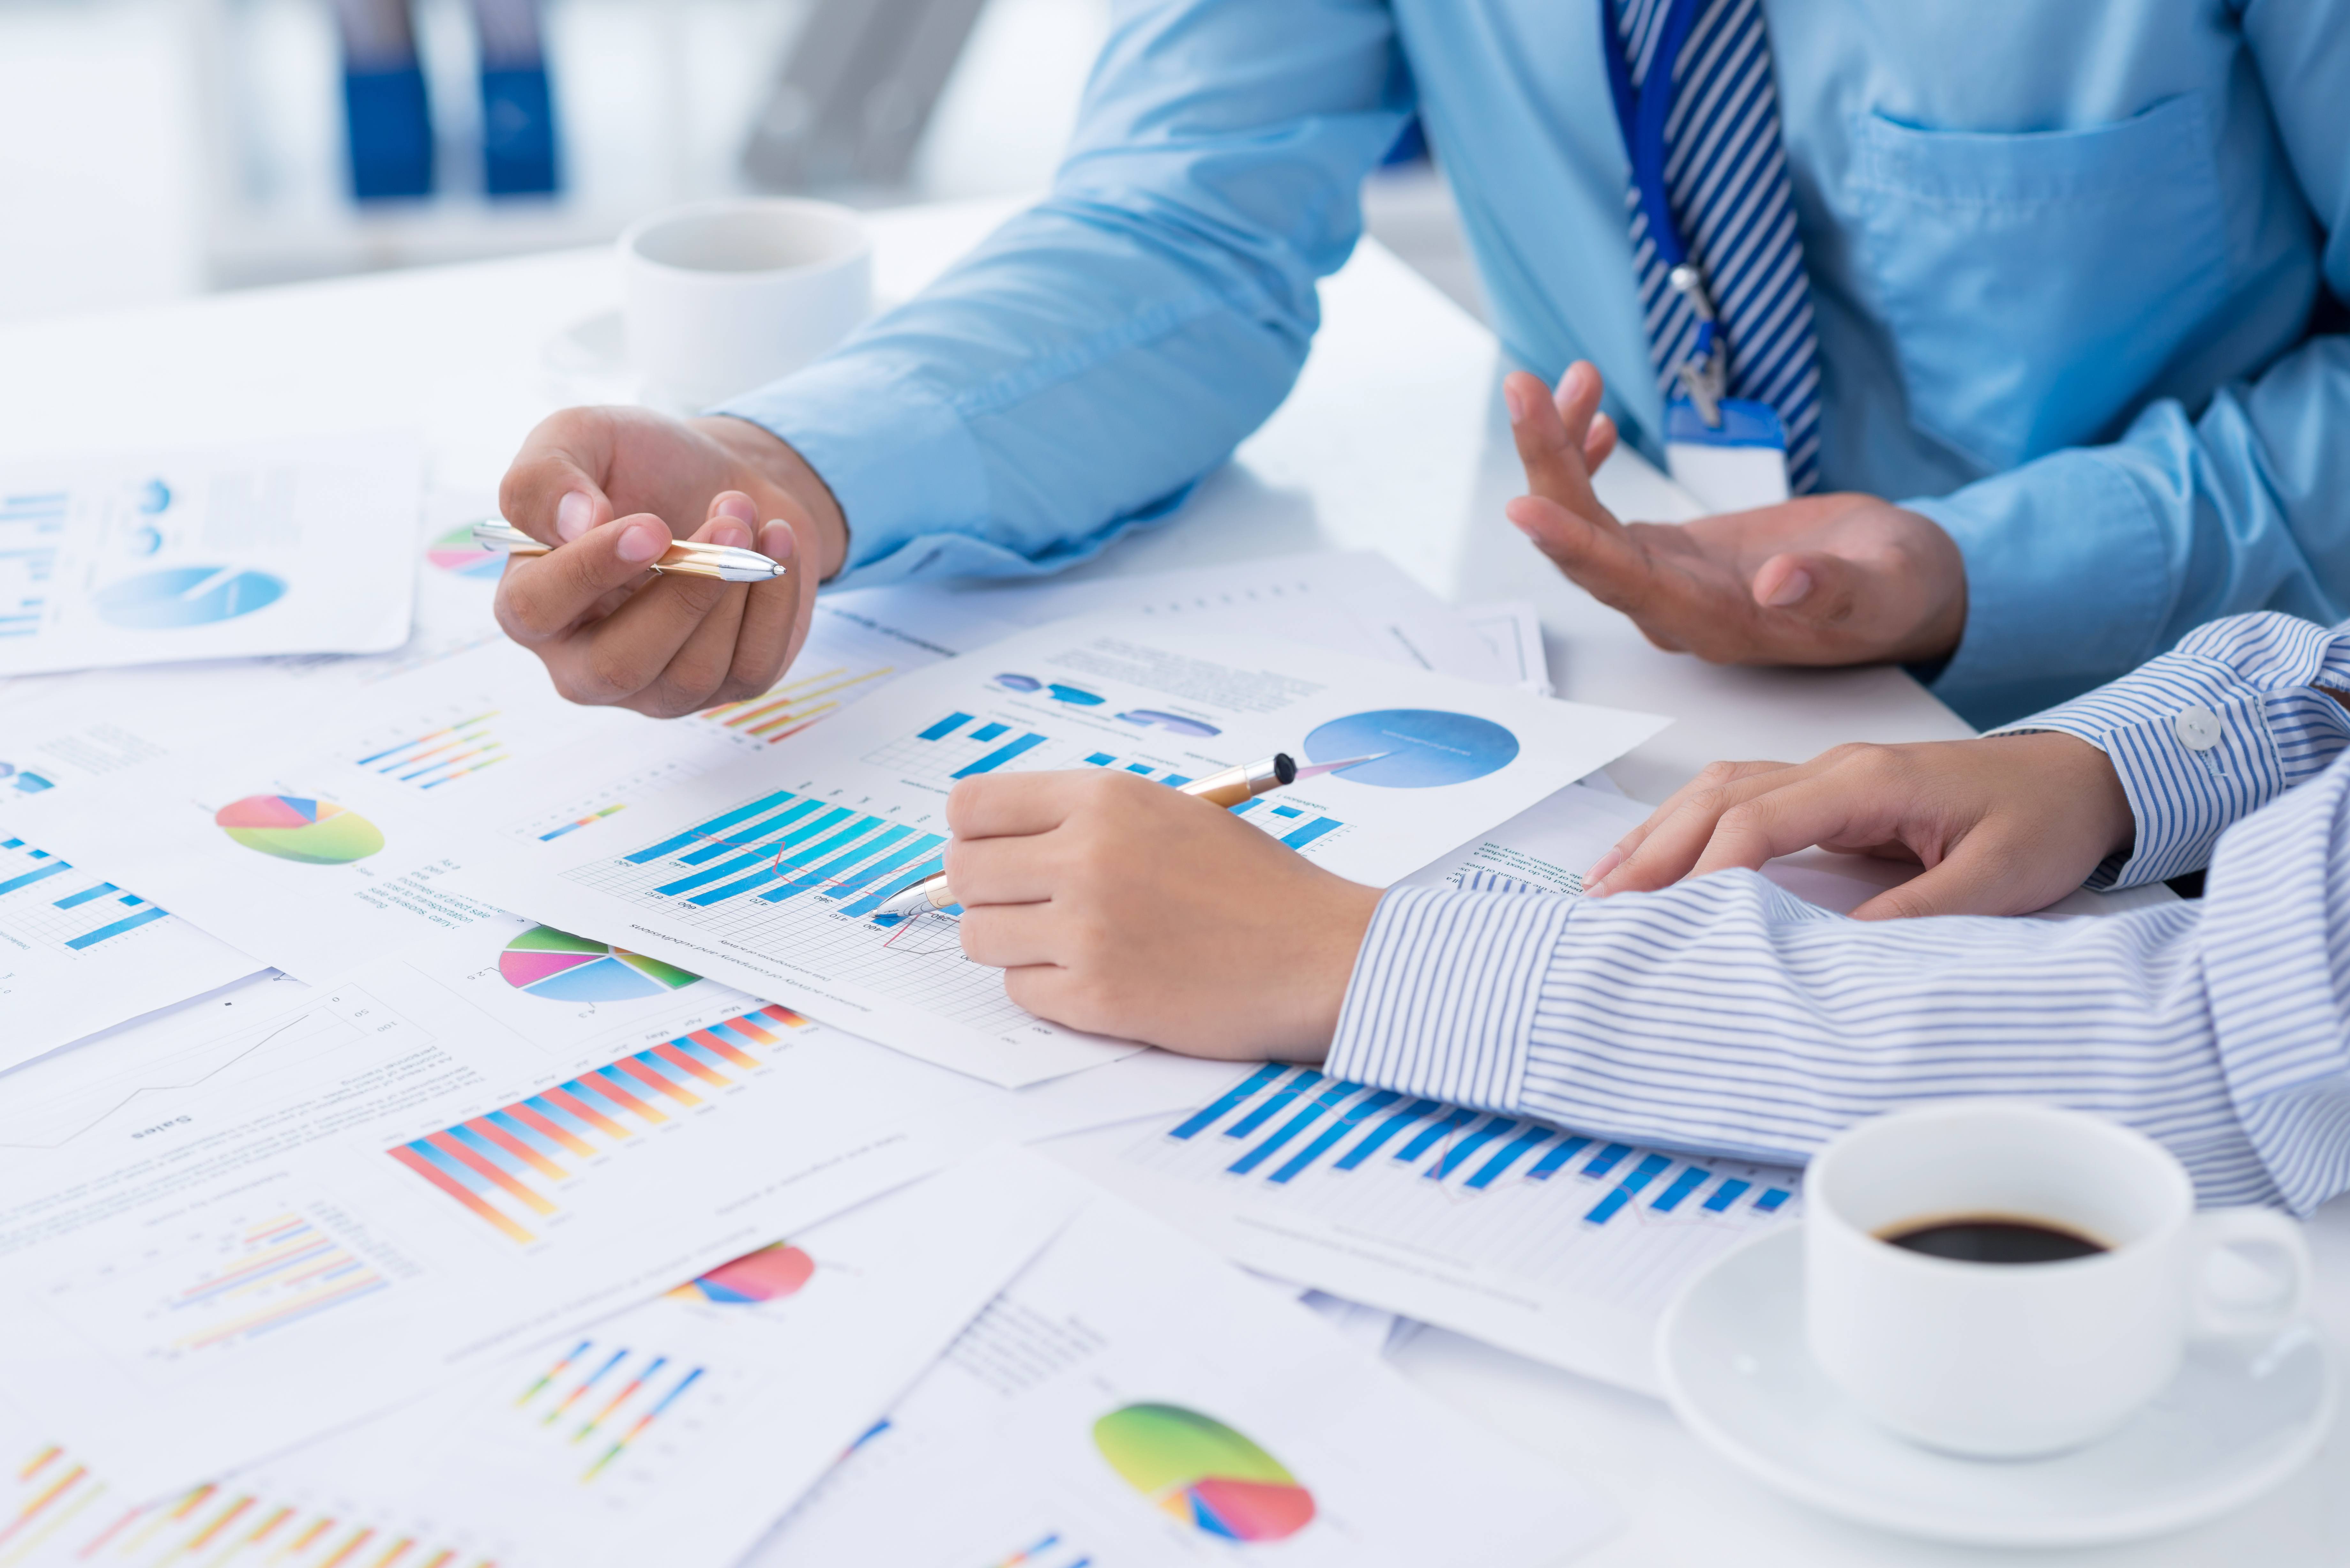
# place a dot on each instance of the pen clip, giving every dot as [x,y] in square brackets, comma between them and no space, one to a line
[497,533]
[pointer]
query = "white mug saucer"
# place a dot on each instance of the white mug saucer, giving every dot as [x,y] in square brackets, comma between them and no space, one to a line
[1732,1356]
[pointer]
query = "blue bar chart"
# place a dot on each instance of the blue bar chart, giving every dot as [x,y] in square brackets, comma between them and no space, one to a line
[1496,1201]
[42,897]
[31,527]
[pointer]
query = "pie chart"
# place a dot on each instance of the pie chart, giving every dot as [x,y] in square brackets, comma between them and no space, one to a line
[313,831]
[1204,1473]
[175,597]
[455,553]
[769,1275]
[1413,748]
[561,967]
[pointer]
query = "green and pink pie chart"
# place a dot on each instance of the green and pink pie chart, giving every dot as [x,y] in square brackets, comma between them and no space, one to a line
[561,967]
[296,827]
[456,553]
[1203,1472]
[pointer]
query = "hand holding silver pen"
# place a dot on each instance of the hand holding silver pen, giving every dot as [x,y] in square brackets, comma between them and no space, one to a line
[726,562]
[1228,788]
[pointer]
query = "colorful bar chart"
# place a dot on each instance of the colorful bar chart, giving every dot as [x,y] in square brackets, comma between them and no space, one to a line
[509,1166]
[791,707]
[603,1400]
[441,756]
[270,1273]
[1281,1124]
[575,825]
[785,845]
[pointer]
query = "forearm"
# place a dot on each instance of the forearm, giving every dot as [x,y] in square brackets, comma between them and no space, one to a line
[1076,374]
[2088,562]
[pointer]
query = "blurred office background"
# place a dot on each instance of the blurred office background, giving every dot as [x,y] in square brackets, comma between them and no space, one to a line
[154,149]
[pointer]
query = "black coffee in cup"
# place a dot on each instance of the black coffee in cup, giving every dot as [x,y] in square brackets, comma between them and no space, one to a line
[1992,1239]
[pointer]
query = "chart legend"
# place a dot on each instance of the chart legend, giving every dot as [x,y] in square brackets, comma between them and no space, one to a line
[510,1166]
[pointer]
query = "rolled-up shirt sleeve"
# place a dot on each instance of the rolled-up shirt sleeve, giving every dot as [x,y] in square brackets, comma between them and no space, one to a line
[1727,1016]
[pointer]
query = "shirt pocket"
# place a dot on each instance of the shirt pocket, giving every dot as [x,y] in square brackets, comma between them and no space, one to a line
[2034,283]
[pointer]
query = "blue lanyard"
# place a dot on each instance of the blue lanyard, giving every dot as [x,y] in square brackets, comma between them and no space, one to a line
[1642,113]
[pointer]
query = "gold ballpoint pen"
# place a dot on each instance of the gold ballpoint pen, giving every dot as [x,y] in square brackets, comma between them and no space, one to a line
[1228,788]
[727,563]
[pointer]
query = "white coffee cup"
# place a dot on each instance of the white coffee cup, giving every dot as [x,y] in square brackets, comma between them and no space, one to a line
[2010,1360]
[722,297]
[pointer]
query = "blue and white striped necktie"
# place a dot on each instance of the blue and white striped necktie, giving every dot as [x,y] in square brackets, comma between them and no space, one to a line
[1725,178]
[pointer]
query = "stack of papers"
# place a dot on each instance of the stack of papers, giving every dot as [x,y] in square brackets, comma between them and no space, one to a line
[444,1125]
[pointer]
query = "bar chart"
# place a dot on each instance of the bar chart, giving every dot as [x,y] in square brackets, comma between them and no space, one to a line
[266,1275]
[511,1167]
[32,526]
[788,708]
[1489,1192]
[958,746]
[603,1400]
[44,898]
[441,755]
[785,845]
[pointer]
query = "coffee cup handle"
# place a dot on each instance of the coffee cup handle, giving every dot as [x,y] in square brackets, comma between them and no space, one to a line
[2231,1296]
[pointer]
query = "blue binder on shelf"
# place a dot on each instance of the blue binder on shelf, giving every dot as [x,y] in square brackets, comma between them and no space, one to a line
[385,108]
[519,155]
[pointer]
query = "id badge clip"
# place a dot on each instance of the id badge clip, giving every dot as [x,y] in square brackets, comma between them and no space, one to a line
[1735,465]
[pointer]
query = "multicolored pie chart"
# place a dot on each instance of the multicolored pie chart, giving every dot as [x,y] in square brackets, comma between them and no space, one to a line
[769,1275]
[455,552]
[561,967]
[313,831]
[1204,1473]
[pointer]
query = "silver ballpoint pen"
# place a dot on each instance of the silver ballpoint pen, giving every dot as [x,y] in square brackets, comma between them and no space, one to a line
[727,563]
[1227,788]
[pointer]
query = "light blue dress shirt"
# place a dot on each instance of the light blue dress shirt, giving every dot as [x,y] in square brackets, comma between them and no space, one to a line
[2064,258]
[1725,1015]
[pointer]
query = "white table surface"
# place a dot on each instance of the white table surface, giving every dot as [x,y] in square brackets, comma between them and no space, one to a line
[1392,440]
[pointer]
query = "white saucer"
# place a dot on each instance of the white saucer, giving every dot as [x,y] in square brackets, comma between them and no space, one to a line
[1732,1356]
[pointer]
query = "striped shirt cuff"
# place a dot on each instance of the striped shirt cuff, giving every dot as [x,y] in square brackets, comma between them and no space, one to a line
[1442,1000]
[2207,735]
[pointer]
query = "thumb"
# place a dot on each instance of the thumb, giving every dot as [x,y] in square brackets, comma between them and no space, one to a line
[1974,880]
[1812,586]
[553,489]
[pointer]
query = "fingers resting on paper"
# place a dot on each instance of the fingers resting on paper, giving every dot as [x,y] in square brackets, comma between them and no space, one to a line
[2002,826]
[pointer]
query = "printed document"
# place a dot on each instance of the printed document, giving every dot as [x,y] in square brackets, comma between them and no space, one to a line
[289,546]
[767,874]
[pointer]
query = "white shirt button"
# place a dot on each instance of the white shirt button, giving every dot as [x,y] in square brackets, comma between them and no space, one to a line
[2197,727]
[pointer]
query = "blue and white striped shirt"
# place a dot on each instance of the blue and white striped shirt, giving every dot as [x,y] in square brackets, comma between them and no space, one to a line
[1728,1016]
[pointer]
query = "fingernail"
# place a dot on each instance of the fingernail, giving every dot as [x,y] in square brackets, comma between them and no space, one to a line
[1516,400]
[573,515]
[1595,889]
[731,533]
[1607,862]
[777,542]
[642,542]
[738,506]
[1797,586]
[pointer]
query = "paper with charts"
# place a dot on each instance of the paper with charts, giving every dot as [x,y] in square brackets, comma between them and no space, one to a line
[289,546]
[442,1159]
[1133,1400]
[674,1433]
[78,954]
[767,874]
[1559,1246]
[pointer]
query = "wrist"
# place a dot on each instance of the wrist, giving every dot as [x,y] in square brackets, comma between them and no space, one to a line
[785,485]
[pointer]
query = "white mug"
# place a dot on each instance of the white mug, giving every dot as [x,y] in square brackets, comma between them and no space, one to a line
[722,297]
[2010,1360]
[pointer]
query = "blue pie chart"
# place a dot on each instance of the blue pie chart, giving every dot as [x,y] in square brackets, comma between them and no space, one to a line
[186,595]
[1413,748]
